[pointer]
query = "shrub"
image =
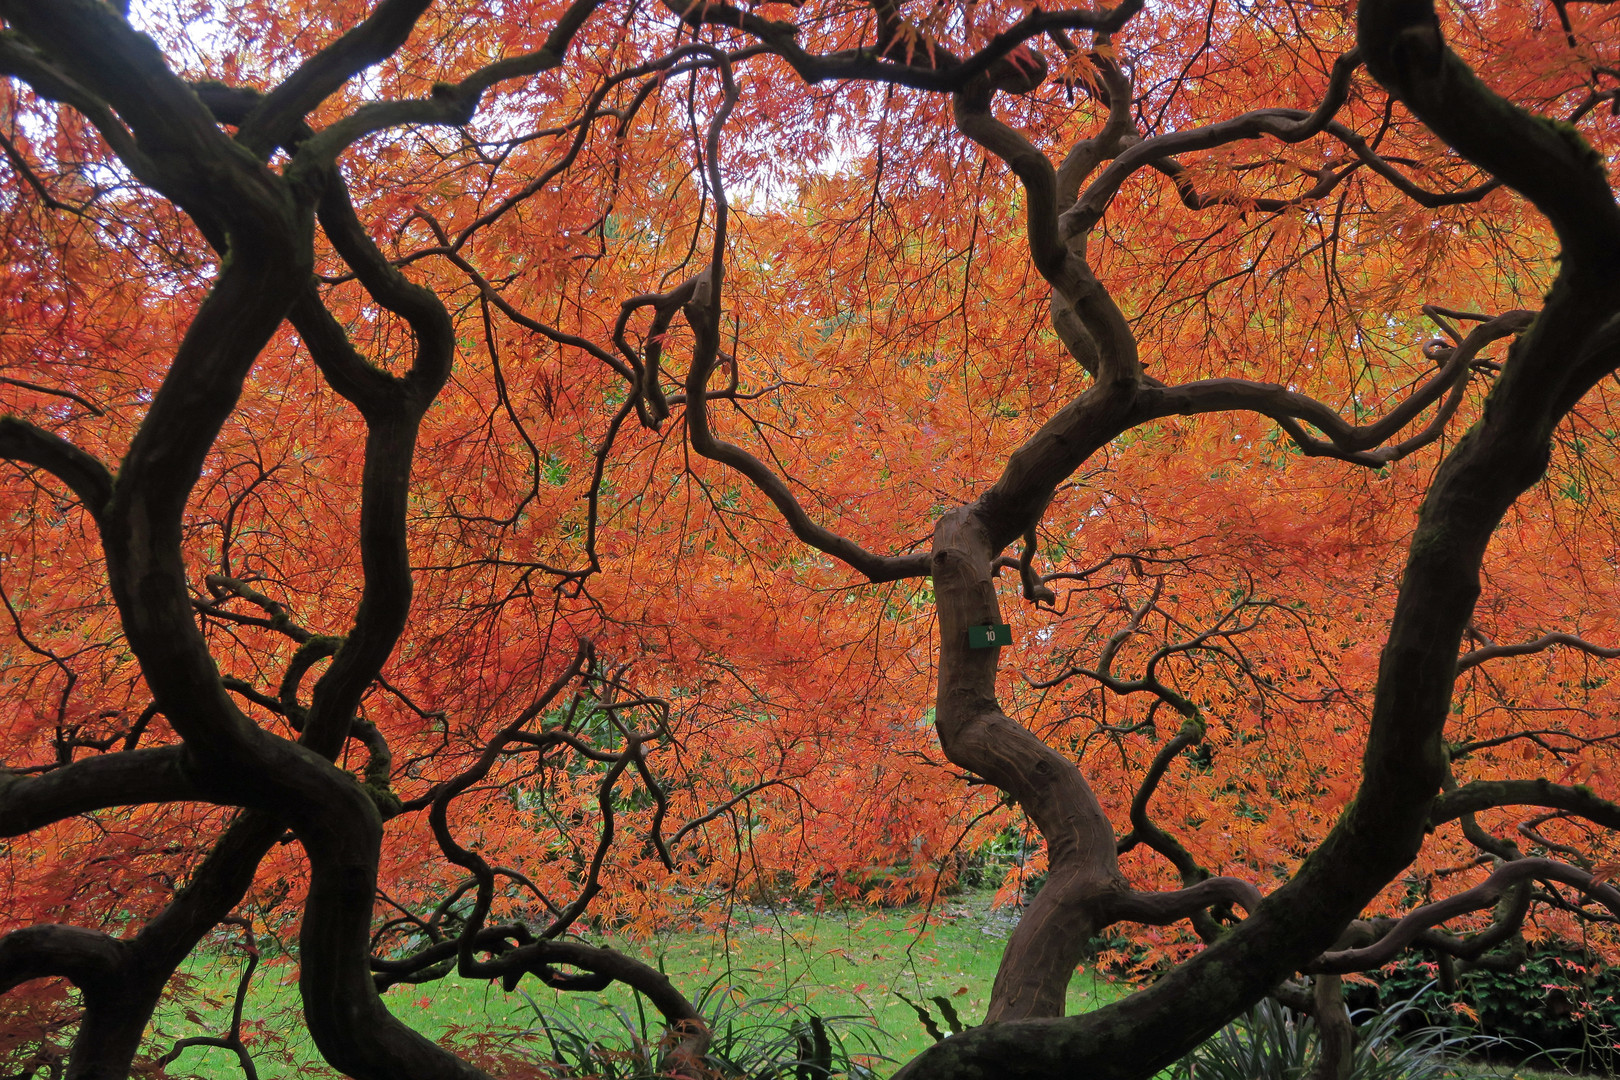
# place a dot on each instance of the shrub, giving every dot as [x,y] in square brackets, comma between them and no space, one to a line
[1557,1002]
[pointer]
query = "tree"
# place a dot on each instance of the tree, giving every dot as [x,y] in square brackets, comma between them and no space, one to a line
[445,435]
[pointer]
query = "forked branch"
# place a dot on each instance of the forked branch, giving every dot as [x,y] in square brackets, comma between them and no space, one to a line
[1486,894]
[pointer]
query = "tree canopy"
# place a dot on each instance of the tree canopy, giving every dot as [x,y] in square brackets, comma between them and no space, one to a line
[473,467]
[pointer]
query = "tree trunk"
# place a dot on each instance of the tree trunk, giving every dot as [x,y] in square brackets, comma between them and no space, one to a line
[1335,1035]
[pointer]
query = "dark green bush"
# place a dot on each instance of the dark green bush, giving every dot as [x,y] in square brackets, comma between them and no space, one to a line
[1558,1000]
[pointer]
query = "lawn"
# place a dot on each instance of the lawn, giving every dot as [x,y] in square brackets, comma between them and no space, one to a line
[769,964]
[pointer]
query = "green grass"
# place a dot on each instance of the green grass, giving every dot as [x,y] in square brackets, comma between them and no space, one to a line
[835,963]
[842,962]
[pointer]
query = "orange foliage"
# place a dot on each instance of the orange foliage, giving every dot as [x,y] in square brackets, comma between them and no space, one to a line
[753,715]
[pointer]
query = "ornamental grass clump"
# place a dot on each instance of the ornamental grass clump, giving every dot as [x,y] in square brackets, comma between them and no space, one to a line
[757,1039]
[1272,1042]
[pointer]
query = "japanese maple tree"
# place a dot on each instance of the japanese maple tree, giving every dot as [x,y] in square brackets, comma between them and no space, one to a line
[474,467]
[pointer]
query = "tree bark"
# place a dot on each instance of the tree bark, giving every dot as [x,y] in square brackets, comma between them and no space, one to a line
[1335,1035]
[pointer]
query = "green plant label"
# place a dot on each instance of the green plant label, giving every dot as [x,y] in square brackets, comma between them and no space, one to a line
[989,637]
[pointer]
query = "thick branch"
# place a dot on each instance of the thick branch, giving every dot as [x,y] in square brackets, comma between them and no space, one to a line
[1143,828]
[85,476]
[915,62]
[703,313]
[1358,444]
[1483,895]
[1163,908]
[1526,648]
[87,958]
[178,148]
[1488,794]
[130,778]
[514,952]
[375,39]
[1549,163]
[1091,325]
[451,104]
